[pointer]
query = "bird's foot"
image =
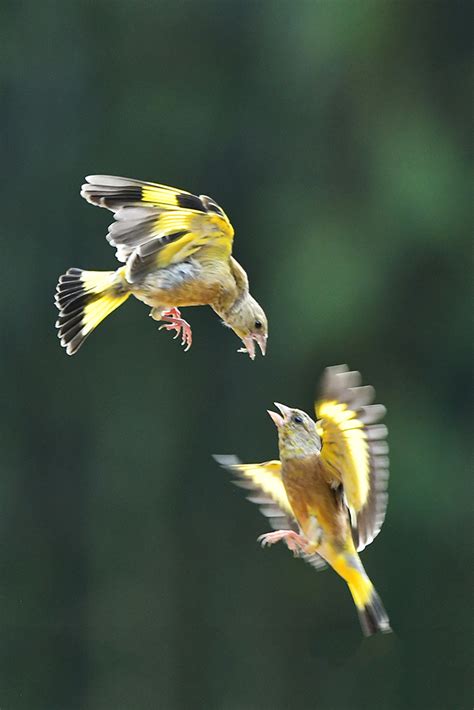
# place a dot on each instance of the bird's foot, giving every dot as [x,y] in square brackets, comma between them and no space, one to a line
[173,319]
[294,542]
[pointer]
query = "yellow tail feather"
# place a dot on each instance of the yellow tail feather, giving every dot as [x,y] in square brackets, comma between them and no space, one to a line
[84,299]
[372,615]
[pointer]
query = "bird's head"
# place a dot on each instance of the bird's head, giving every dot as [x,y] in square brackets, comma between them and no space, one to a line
[297,434]
[248,320]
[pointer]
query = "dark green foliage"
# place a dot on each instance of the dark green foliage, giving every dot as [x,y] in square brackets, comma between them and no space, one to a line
[335,135]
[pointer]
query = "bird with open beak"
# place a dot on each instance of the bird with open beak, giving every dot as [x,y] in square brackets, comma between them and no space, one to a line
[177,251]
[326,494]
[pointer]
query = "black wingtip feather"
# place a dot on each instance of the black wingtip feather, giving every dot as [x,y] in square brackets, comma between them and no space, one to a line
[190,202]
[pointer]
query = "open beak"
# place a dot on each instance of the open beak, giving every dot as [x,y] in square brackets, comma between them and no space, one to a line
[249,347]
[277,419]
[262,342]
[249,343]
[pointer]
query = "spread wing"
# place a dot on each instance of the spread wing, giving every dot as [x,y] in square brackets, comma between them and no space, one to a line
[156,225]
[265,488]
[354,448]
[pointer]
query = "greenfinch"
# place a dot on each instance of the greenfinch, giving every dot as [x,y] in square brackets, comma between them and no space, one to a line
[326,495]
[177,251]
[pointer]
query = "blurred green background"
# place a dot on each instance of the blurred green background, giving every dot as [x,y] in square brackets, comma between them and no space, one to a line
[336,135]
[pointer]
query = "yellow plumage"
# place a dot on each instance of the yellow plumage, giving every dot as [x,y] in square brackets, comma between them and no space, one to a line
[267,477]
[345,449]
[326,497]
[177,250]
[84,299]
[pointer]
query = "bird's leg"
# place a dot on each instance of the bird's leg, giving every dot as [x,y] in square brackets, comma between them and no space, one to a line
[173,321]
[295,542]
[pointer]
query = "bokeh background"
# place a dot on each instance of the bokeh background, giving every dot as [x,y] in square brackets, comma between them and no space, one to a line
[336,135]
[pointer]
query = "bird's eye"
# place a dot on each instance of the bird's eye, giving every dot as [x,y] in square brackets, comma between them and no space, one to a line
[296,419]
[258,324]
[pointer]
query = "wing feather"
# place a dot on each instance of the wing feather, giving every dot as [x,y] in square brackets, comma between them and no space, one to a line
[264,483]
[354,448]
[148,217]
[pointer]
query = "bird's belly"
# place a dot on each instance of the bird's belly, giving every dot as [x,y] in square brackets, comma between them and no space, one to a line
[311,499]
[306,511]
[183,284]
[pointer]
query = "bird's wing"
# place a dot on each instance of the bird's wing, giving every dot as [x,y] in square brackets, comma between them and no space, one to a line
[158,225]
[354,448]
[266,489]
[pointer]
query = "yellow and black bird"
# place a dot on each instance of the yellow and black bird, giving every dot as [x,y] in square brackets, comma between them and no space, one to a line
[177,251]
[326,496]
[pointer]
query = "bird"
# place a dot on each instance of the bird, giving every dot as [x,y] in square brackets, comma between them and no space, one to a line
[326,496]
[176,250]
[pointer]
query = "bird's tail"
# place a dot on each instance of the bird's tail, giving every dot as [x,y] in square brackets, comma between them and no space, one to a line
[372,615]
[84,299]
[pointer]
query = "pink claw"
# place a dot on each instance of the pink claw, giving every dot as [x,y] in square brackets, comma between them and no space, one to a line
[296,543]
[182,327]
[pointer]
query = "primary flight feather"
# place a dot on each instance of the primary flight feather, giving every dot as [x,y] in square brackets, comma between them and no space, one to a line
[177,251]
[326,495]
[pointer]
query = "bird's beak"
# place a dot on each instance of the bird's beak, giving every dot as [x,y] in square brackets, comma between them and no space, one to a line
[276,418]
[249,342]
[249,347]
[262,342]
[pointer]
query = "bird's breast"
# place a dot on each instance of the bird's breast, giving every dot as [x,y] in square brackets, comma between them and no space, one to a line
[310,496]
[188,283]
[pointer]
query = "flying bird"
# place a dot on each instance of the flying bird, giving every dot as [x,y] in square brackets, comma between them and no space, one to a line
[326,496]
[177,251]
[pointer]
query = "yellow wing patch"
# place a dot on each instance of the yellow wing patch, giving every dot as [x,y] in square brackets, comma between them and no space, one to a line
[345,449]
[163,196]
[263,476]
[264,483]
[152,219]
[354,448]
[267,477]
[184,232]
